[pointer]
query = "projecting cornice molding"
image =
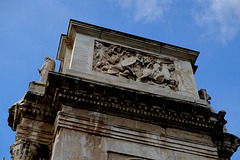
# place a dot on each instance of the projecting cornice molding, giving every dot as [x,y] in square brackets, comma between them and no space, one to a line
[34,105]
[128,40]
[167,112]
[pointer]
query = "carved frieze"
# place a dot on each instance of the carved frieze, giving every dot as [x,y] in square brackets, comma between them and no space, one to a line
[134,65]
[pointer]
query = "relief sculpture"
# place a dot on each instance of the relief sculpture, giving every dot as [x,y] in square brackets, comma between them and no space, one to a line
[134,65]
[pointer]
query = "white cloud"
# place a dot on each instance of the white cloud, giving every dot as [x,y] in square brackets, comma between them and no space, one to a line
[145,10]
[221,17]
[150,10]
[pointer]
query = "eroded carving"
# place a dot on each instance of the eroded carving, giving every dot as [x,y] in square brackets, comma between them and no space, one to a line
[15,114]
[204,95]
[227,145]
[23,150]
[49,65]
[134,65]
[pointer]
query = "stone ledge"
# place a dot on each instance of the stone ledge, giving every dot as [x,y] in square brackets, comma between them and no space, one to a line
[37,87]
[138,86]
[163,111]
[130,40]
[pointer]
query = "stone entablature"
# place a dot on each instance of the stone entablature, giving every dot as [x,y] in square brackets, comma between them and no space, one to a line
[104,135]
[118,96]
[135,105]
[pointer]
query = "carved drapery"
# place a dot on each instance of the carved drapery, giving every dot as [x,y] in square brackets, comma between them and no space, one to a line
[49,65]
[23,150]
[134,65]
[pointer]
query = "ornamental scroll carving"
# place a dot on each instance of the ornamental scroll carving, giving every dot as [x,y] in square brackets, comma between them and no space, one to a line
[134,65]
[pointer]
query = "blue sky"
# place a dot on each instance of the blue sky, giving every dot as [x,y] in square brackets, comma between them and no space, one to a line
[30,30]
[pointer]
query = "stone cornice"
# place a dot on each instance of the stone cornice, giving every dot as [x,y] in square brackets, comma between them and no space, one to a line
[127,39]
[90,95]
[227,144]
[33,105]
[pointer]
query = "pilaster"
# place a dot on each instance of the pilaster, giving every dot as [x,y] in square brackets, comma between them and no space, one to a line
[32,118]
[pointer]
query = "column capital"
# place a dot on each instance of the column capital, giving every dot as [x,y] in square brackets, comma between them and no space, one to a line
[24,149]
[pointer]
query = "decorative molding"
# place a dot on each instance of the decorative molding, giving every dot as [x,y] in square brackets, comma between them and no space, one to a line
[117,101]
[227,144]
[15,114]
[24,149]
[41,136]
[34,106]
[69,42]
[132,41]
[139,136]
[134,65]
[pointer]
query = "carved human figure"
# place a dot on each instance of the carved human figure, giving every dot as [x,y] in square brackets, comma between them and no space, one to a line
[134,65]
[23,150]
[49,65]
[147,72]
[165,72]
[203,95]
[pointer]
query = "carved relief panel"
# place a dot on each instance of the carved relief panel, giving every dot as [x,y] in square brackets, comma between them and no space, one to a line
[134,65]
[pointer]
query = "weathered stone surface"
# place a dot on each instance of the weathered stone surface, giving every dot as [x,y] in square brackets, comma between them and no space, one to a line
[171,75]
[37,131]
[82,54]
[227,144]
[135,105]
[134,65]
[32,118]
[118,97]
[49,65]
[37,87]
[102,134]
[24,149]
